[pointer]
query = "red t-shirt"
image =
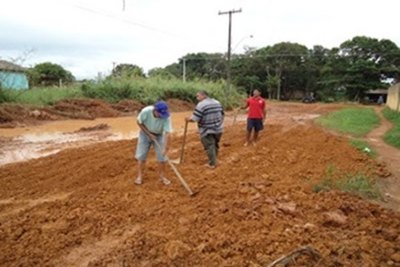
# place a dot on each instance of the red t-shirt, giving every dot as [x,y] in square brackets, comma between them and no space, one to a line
[256,107]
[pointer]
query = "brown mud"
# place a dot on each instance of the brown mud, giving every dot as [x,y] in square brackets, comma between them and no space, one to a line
[80,207]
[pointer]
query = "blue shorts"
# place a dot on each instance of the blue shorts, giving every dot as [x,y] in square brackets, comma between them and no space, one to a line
[143,146]
[256,124]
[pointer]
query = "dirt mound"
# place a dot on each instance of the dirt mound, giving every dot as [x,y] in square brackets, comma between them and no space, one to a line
[83,109]
[80,207]
[98,127]
[88,109]
[177,105]
[128,106]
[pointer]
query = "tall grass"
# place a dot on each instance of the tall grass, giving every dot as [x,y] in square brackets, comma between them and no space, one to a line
[144,90]
[149,90]
[355,121]
[42,96]
[392,137]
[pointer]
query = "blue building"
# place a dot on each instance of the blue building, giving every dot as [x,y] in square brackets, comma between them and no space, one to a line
[12,76]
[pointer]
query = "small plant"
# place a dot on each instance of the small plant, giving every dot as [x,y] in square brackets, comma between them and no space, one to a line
[363,146]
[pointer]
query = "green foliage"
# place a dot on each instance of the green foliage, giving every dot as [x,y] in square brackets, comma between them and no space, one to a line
[363,146]
[126,71]
[160,73]
[44,96]
[6,95]
[49,74]
[392,137]
[354,121]
[148,91]
[363,63]
[357,184]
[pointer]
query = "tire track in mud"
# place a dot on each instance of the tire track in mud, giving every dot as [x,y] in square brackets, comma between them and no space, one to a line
[83,255]
[16,206]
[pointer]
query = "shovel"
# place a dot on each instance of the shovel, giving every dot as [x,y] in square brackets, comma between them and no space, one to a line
[180,160]
[183,182]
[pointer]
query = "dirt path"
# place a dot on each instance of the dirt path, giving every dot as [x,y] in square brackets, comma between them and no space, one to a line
[391,156]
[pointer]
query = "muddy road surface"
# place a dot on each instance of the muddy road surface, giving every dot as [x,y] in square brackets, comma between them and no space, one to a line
[80,207]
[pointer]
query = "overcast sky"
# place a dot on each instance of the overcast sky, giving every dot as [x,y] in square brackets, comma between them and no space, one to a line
[89,36]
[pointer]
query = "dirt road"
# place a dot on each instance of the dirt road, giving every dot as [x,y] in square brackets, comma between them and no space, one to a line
[80,207]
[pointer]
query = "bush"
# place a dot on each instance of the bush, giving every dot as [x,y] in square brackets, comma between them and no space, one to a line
[6,96]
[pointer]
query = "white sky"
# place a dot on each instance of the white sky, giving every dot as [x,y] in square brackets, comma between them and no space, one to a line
[89,36]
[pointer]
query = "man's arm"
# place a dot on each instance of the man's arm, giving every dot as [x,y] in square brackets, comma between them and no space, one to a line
[145,130]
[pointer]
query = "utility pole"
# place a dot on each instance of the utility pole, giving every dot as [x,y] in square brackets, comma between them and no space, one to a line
[184,70]
[230,12]
[123,5]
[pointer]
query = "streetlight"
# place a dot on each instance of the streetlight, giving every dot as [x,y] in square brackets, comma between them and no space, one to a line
[241,40]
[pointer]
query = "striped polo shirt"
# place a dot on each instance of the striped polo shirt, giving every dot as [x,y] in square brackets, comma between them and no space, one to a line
[209,115]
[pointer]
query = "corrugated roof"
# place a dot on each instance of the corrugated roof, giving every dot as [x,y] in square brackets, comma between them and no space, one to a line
[377,92]
[5,65]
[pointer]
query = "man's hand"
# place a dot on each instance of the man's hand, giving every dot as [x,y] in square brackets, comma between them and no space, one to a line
[188,119]
[152,136]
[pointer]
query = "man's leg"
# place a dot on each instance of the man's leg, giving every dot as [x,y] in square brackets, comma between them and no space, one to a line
[248,136]
[249,128]
[208,142]
[142,149]
[139,178]
[217,139]
[161,160]
[255,137]
[258,126]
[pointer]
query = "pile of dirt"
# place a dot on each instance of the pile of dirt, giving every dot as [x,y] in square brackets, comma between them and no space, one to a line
[88,109]
[177,105]
[83,109]
[98,127]
[128,106]
[80,207]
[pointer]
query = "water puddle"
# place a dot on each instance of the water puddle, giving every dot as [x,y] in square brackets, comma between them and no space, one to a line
[32,146]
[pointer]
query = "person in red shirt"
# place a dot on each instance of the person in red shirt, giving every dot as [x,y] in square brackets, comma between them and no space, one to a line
[255,116]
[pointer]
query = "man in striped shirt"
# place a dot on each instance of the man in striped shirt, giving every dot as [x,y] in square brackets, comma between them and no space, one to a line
[209,115]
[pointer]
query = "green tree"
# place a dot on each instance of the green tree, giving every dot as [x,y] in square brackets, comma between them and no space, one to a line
[160,72]
[49,74]
[127,71]
[366,63]
[203,66]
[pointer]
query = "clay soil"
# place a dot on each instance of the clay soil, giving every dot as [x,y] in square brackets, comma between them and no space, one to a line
[80,207]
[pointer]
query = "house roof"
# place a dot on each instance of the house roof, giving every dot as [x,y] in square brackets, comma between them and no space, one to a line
[377,92]
[5,65]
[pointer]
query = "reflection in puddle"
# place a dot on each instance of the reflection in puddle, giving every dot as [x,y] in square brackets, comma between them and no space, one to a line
[32,146]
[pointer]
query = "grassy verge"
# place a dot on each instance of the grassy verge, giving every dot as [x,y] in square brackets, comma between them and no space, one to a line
[42,96]
[392,137]
[354,121]
[357,184]
[363,146]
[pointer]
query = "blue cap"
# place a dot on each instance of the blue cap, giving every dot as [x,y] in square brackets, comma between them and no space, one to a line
[162,108]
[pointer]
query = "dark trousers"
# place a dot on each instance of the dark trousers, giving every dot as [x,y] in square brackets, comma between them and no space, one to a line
[211,145]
